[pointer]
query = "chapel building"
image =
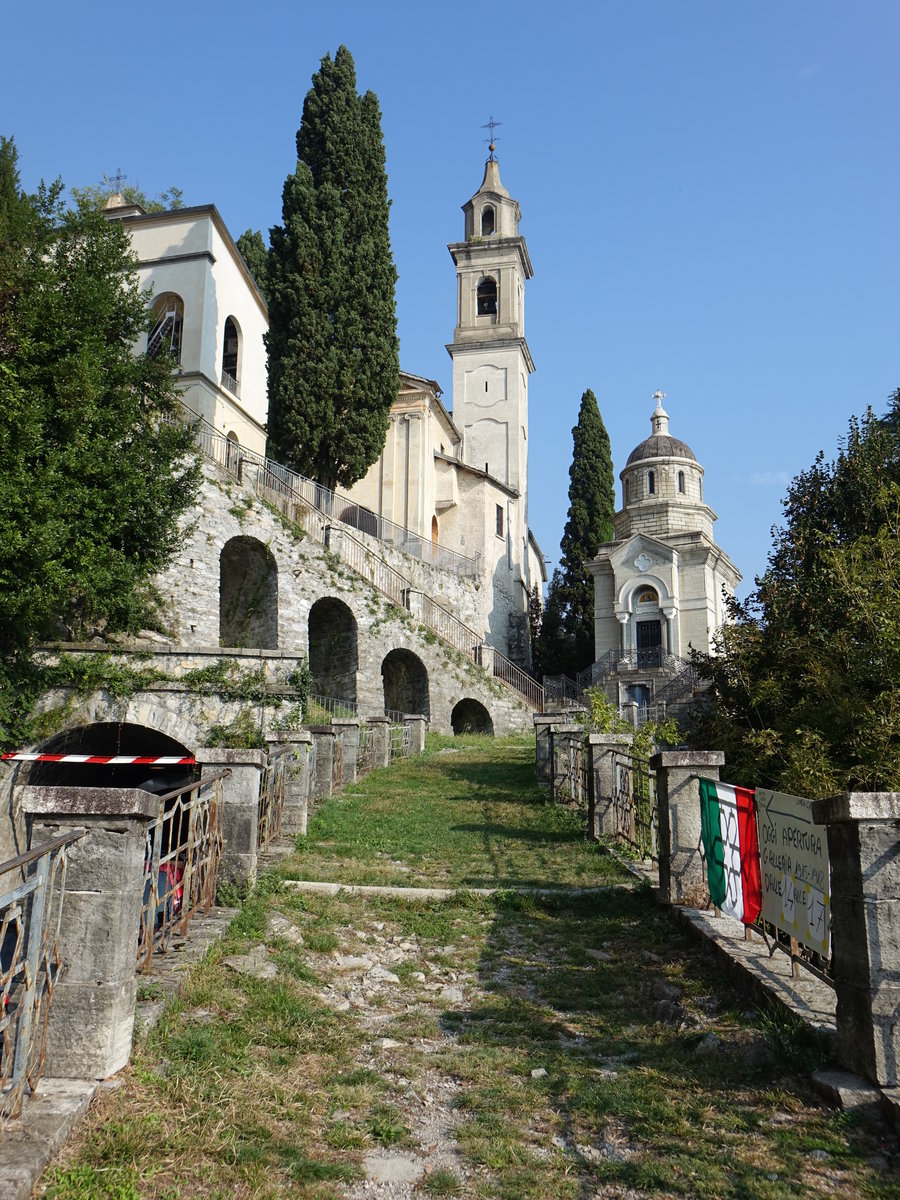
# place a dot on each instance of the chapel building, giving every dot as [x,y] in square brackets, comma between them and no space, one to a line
[660,585]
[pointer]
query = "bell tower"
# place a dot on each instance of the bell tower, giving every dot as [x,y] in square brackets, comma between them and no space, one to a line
[491,359]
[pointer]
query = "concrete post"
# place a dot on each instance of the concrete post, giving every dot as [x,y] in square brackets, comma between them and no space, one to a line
[415,602]
[682,870]
[602,748]
[91,1016]
[323,779]
[863,838]
[240,812]
[347,730]
[297,744]
[486,658]
[416,724]
[381,730]
[334,539]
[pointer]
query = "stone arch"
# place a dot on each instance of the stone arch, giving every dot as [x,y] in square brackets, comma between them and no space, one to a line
[248,595]
[487,220]
[167,327]
[486,297]
[231,356]
[333,648]
[120,738]
[470,716]
[405,680]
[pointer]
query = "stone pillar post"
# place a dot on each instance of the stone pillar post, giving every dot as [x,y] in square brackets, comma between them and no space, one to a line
[381,730]
[863,837]
[682,873]
[669,614]
[416,725]
[486,657]
[323,780]
[602,748]
[91,1016]
[622,618]
[347,729]
[334,539]
[297,744]
[240,812]
[415,602]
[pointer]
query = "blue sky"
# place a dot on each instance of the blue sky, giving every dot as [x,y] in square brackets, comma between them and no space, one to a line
[709,193]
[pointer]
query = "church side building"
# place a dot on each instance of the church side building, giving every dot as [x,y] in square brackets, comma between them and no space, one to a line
[659,586]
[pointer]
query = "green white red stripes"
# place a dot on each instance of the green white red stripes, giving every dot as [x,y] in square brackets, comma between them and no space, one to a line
[731,846]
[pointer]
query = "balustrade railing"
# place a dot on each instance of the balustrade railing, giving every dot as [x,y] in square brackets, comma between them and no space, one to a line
[321,710]
[518,679]
[271,801]
[449,627]
[635,804]
[181,863]
[32,888]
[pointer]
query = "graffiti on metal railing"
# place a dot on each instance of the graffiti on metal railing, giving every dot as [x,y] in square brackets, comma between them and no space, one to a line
[181,863]
[32,888]
[635,804]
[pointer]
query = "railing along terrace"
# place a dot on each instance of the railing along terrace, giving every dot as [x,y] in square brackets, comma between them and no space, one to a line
[181,863]
[449,627]
[32,888]
[562,691]
[231,384]
[321,710]
[271,801]
[523,683]
[331,504]
[379,573]
[635,804]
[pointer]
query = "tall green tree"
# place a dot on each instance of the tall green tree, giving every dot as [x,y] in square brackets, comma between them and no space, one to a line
[805,692]
[332,340]
[256,256]
[95,475]
[567,638]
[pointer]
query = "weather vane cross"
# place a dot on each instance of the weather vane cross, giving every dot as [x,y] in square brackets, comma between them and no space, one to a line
[492,141]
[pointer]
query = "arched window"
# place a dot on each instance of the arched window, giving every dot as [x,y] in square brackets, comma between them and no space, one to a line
[681,481]
[487,221]
[626,492]
[434,531]
[166,327]
[651,482]
[230,354]
[486,297]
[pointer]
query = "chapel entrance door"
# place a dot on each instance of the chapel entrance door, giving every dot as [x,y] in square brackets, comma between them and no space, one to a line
[649,643]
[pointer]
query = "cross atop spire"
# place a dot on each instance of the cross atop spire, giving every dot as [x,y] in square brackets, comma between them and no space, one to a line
[492,141]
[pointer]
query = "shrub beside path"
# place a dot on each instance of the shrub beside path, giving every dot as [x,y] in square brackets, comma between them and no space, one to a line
[526,1045]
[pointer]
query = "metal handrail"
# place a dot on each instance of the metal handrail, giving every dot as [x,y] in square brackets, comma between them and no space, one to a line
[507,672]
[30,963]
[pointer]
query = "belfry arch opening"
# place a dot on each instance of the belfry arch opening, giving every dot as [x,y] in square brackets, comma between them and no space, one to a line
[248,595]
[107,738]
[487,221]
[333,649]
[405,681]
[166,327]
[470,716]
[231,351]
[486,298]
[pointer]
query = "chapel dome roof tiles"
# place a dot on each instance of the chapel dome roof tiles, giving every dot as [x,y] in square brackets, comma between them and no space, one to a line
[661,445]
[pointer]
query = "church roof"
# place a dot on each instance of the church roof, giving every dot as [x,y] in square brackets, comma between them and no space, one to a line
[660,443]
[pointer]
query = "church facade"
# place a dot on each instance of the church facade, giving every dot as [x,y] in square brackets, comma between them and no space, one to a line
[454,484]
[660,585]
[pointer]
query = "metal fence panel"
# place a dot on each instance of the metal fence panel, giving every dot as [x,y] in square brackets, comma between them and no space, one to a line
[32,888]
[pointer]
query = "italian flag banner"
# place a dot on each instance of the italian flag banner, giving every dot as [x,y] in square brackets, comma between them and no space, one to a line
[731,846]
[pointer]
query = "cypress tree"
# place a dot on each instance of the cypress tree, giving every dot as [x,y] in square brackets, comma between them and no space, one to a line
[255,255]
[332,340]
[567,645]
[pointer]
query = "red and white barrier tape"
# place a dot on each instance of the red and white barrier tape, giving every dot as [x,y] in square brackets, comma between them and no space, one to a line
[109,760]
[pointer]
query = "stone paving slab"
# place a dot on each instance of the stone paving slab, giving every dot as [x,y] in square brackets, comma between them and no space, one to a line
[28,1144]
[428,893]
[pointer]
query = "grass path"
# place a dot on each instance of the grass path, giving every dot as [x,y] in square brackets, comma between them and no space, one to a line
[522,1047]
